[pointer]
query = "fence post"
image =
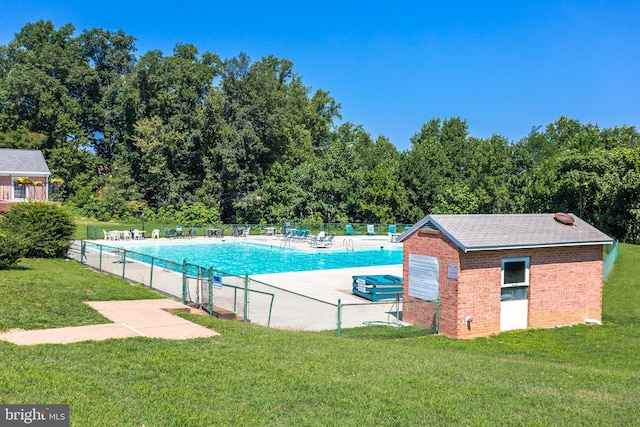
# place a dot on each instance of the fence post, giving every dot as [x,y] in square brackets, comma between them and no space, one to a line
[100,260]
[210,291]
[124,261]
[83,250]
[246,299]
[151,273]
[339,316]
[438,309]
[184,281]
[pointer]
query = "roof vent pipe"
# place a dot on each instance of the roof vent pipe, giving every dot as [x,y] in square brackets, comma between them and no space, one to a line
[564,218]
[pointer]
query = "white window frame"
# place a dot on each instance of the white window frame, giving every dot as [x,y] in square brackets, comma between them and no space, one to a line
[18,190]
[526,272]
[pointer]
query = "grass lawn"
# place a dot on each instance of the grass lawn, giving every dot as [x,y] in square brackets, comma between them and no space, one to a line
[251,375]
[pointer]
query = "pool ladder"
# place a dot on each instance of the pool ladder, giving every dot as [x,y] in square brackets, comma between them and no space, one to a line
[348,243]
[286,241]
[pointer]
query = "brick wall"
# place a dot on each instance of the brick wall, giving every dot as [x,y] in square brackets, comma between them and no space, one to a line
[435,244]
[565,286]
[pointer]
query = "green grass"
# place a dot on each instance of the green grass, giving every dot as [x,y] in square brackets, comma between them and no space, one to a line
[39,294]
[251,375]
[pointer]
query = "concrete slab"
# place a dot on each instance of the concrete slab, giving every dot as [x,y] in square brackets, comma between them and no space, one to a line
[327,285]
[150,318]
[69,335]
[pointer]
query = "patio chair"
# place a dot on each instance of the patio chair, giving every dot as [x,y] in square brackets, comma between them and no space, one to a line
[169,233]
[155,234]
[324,242]
[316,240]
[245,232]
[193,232]
[350,231]
[328,242]
[106,234]
[137,235]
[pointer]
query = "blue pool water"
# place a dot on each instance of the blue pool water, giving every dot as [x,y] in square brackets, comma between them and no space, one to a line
[240,258]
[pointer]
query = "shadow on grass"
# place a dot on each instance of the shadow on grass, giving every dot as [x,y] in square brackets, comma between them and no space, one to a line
[18,268]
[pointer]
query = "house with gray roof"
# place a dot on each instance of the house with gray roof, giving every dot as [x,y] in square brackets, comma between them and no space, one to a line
[24,175]
[478,275]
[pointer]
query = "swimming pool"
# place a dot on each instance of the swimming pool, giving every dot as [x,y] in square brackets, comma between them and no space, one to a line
[240,258]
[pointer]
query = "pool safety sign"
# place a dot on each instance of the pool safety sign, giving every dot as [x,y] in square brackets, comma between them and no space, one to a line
[217,282]
[423,277]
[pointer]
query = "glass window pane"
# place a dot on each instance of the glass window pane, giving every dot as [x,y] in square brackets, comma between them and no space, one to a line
[513,294]
[506,294]
[520,293]
[19,192]
[514,272]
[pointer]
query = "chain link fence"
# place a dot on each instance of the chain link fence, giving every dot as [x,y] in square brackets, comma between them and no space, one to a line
[240,297]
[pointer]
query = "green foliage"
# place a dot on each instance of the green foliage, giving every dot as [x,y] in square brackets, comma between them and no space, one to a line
[196,214]
[252,143]
[11,250]
[44,228]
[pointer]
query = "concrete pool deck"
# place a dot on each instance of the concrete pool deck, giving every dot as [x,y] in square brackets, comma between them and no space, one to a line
[329,286]
[297,300]
[303,301]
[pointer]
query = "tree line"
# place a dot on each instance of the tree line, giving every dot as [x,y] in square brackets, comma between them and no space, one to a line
[248,142]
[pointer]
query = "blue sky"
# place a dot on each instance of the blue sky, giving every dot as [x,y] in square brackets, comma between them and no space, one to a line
[504,66]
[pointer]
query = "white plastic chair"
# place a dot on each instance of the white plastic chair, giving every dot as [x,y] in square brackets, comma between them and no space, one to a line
[155,234]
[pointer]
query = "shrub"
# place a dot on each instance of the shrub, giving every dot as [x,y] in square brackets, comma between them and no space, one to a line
[11,250]
[45,228]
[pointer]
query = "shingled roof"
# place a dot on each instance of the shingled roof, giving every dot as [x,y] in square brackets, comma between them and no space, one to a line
[509,231]
[22,162]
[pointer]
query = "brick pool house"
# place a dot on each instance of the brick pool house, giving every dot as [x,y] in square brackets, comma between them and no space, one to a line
[502,272]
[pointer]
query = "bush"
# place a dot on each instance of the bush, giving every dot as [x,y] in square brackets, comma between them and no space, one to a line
[11,250]
[45,228]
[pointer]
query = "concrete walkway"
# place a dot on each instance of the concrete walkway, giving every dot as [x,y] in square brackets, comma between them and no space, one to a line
[146,318]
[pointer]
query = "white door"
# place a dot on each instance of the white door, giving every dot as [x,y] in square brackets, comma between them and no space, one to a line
[514,294]
[513,315]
